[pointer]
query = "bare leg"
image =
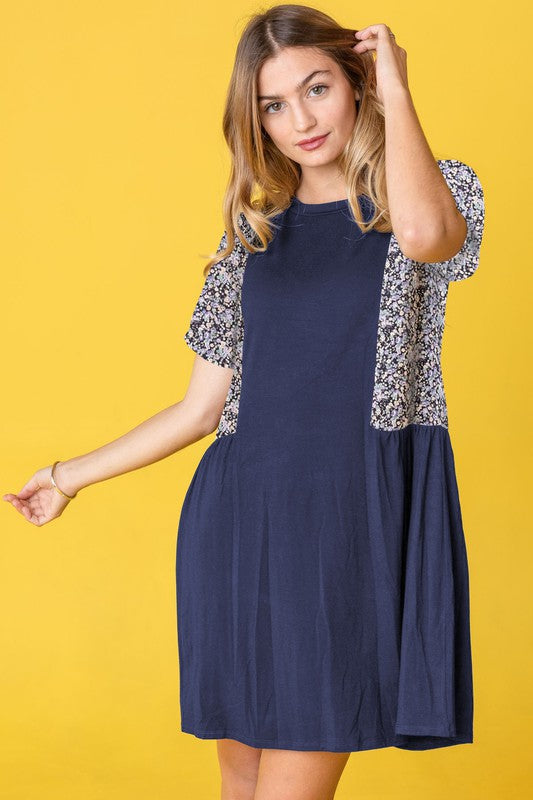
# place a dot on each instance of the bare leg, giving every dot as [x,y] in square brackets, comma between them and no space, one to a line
[299,775]
[239,765]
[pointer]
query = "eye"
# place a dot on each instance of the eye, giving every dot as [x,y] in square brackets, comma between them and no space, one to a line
[266,108]
[316,86]
[319,86]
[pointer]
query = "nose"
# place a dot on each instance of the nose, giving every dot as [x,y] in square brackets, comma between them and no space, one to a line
[303,119]
[304,123]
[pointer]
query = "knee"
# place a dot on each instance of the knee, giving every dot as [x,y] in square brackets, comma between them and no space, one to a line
[239,765]
[238,787]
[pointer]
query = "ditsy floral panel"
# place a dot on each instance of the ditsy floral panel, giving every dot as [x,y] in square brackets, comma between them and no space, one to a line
[408,386]
[468,194]
[216,328]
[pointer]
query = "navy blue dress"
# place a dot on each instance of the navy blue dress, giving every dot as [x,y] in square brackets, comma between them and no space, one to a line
[313,613]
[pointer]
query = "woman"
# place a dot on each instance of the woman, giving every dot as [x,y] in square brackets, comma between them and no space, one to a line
[321,567]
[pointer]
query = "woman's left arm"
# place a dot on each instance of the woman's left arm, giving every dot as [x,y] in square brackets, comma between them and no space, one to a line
[424,216]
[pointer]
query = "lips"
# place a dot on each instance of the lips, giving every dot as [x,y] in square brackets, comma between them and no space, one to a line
[313,144]
[314,139]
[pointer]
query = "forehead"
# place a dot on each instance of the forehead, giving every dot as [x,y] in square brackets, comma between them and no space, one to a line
[280,74]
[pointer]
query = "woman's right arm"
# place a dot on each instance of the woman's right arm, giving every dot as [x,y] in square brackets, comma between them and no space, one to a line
[163,434]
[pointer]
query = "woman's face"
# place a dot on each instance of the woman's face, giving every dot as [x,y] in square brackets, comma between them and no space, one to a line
[325,105]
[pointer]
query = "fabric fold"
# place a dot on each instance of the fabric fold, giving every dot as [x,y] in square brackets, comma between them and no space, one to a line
[422,592]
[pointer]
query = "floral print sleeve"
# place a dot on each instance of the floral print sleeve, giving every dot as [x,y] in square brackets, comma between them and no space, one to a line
[214,329]
[468,194]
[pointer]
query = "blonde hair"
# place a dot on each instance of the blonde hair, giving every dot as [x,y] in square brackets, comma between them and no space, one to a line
[263,180]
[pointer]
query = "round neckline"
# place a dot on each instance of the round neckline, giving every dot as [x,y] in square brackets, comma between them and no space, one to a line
[319,208]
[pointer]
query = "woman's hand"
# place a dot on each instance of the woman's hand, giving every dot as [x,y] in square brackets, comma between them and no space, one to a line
[391,60]
[38,501]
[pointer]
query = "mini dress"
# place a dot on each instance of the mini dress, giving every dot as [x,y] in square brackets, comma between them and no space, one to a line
[322,581]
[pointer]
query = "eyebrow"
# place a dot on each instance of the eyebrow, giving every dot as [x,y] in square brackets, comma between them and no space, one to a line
[298,85]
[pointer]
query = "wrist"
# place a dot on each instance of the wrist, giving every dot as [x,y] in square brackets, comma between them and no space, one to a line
[396,92]
[66,479]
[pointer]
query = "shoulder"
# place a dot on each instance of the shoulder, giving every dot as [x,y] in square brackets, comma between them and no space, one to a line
[248,232]
[467,192]
[466,189]
[237,257]
[459,175]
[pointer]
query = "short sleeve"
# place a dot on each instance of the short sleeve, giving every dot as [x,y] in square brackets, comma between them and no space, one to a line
[468,194]
[213,331]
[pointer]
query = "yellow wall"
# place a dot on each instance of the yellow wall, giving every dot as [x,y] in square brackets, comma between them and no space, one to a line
[113,169]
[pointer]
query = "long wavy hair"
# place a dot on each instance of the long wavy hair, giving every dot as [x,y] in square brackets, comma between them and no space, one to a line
[262,179]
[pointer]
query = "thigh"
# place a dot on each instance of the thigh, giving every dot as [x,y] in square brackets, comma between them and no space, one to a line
[239,763]
[299,774]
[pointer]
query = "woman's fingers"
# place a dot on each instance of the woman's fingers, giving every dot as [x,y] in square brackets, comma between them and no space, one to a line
[31,515]
[21,508]
[368,37]
[29,488]
[43,506]
[364,47]
[372,30]
[19,505]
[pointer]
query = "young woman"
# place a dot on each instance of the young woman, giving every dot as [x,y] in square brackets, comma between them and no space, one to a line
[321,567]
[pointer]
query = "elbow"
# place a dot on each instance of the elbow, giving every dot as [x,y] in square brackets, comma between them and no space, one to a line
[440,243]
[201,421]
[208,424]
[211,428]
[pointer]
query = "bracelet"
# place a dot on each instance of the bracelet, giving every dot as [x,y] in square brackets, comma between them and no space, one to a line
[54,484]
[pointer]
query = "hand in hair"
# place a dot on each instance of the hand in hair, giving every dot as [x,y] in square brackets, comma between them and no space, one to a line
[391,60]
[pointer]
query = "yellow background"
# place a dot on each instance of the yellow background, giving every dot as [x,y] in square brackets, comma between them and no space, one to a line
[113,170]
